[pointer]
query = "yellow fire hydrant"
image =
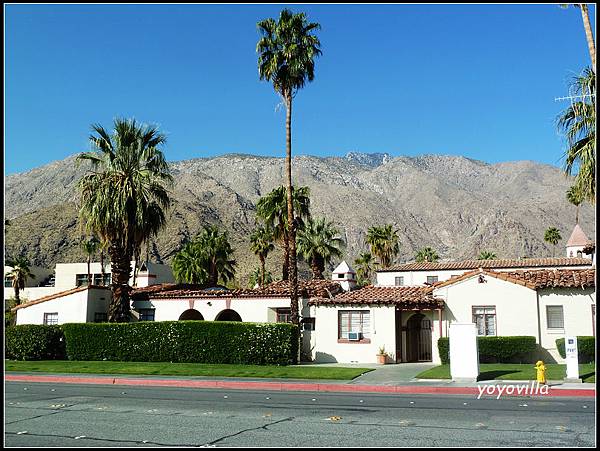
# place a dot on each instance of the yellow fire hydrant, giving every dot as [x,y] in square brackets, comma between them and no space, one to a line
[541,372]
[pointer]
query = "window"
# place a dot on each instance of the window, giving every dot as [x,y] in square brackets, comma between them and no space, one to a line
[98,280]
[82,279]
[51,318]
[432,279]
[354,321]
[485,320]
[7,281]
[100,317]
[554,317]
[579,254]
[147,314]
[340,276]
[399,281]
[308,323]
[284,315]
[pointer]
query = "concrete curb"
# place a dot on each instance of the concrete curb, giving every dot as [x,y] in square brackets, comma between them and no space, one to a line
[282,386]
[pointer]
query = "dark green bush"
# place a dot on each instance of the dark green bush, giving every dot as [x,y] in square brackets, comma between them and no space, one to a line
[35,342]
[184,341]
[515,349]
[586,348]
[444,348]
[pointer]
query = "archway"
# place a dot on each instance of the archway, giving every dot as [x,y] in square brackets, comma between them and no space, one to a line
[418,338]
[228,315]
[191,314]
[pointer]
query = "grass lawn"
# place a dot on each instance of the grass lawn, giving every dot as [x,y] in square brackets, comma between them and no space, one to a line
[514,371]
[184,369]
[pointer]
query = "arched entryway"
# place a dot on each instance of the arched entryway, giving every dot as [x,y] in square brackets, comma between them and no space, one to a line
[418,338]
[228,315]
[191,314]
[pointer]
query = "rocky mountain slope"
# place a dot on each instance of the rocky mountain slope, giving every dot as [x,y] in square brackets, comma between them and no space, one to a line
[456,205]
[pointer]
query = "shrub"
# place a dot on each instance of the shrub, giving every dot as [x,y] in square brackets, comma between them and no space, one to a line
[35,342]
[515,349]
[586,348]
[184,341]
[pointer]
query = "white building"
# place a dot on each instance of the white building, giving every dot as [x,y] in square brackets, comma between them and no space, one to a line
[67,297]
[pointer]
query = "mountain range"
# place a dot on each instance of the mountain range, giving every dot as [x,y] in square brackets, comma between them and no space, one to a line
[456,205]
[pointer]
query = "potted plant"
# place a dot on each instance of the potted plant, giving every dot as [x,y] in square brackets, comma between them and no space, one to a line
[382,356]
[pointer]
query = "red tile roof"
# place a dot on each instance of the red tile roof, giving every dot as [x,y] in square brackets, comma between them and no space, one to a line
[535,279]
[413,297]
[306,289]
[491,264]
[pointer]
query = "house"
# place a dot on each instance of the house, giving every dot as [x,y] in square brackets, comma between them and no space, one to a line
[64,296]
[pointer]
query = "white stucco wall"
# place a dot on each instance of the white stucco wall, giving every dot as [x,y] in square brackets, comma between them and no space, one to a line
[324,339]
[516,305]
[577,313]
[77,307]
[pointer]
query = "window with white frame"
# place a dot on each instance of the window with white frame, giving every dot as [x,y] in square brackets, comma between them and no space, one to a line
[399,281]
[432,279]
[554,317]
[51,318]
[284,315]
[484,318]
[354,321]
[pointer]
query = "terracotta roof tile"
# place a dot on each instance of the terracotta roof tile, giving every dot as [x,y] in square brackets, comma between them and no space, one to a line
[402,296]
[491,264]
[306,289]
[536,279]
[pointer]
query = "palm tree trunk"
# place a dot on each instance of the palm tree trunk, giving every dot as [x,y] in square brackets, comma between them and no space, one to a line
[262,270]
[588,34]
[102,266]
[120,261]
[317,266]
[213,277]
[293,269]
[286,257]
[17,299]
[577,215]
[89,281]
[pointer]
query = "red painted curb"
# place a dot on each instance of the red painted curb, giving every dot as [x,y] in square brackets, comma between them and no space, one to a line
[282,386]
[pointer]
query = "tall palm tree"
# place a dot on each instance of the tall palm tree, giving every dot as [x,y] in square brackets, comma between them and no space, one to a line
[189,265]
[258,278]
[287,49]
[588,30]
[206,260]
[427,254]
[261,244]
[90,247]
[272,209]
[578,123]
[318,242]
[365,265]
[384,243]
[574,197]
[124,197]
[486,255]
[19,274]
[552,236]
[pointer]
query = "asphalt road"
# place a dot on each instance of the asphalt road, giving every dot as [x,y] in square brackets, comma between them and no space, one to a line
[38,414]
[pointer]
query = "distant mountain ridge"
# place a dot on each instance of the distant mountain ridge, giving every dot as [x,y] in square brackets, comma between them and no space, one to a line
[456,205]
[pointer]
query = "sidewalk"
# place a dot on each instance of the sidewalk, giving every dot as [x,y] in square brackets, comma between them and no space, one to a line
[556,388]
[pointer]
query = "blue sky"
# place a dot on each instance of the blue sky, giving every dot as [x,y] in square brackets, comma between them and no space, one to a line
[478,81]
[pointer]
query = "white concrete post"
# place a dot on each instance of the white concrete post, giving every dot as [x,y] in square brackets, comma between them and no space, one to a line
[572,359]
[464,358]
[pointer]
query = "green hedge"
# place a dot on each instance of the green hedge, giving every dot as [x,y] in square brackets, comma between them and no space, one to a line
[511,349]
[586,348]
[184,341]
[35,342]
